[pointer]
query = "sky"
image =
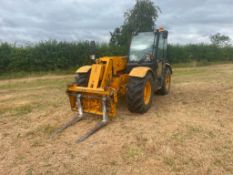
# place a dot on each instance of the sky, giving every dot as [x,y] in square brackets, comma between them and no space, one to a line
[188,21]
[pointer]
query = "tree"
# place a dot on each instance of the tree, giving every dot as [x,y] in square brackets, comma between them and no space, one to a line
[220,40]
[5,56]
[141,18]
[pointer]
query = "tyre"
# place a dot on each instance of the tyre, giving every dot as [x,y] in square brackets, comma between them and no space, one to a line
[140,94]
[82,79]
[166,82]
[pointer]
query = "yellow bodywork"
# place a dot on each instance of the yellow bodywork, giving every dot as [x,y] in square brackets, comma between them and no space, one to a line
[83,69]
[147,92]
[107,78]
[139,72]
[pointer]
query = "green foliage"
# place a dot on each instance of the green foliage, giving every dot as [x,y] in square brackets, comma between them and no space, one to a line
[220,40]
[44,56]
[56,56]
[199,53]
[139,19]
[5,56]
[50,56]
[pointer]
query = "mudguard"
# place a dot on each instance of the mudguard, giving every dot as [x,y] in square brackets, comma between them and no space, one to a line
[140,72]
[83,69]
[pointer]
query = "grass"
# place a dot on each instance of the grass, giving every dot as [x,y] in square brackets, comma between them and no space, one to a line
[199,64]
[133,153]
[22,74]
[186,132]
[27,84]
[46,129]
[169,161]
[29,171]
[16,75]
[17,111]
[23,110]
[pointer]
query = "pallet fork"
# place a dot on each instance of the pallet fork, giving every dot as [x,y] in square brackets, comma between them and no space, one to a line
[80,116]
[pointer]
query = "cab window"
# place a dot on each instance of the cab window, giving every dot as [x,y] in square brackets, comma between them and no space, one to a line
[160,52]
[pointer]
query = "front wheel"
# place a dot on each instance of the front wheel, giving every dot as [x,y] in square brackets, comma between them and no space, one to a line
[139,94]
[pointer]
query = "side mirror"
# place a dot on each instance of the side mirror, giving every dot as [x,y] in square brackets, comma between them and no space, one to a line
[92,50]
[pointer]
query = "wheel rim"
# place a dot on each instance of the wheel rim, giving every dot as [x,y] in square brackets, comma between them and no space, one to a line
[168,81]
[147,92]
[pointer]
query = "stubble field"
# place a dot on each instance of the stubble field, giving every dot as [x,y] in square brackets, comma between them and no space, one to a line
[190,131]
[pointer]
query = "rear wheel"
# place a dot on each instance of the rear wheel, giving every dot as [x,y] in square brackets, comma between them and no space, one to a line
[81,79]
[166,83]
[139,94]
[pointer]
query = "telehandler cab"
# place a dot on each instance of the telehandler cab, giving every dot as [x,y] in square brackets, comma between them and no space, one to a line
[137,77]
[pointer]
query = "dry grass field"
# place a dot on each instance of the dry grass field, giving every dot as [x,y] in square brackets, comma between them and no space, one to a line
[187,132]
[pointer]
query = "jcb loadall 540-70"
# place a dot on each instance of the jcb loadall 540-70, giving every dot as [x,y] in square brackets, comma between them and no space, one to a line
[137,77]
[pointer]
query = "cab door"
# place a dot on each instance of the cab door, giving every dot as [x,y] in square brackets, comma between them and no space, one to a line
[160,57]
[161,53]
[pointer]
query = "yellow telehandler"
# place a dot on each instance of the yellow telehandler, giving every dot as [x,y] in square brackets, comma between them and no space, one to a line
[137,77]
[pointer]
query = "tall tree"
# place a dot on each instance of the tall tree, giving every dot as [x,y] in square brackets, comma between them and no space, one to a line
[141,18]
[220,40]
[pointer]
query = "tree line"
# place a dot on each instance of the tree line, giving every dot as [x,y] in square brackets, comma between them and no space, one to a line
[53,55]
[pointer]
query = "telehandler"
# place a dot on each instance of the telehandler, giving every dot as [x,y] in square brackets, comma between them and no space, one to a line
[137,77]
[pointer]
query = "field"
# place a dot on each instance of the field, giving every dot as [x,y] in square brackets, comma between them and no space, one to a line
[189,131]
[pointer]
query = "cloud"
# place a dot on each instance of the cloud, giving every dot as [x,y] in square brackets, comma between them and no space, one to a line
[195,21]
[73,20]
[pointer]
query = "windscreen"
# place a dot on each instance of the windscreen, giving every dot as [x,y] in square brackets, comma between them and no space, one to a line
[141,47]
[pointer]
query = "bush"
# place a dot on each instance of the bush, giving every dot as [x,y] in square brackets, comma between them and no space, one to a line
[199,53]
[55,56]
